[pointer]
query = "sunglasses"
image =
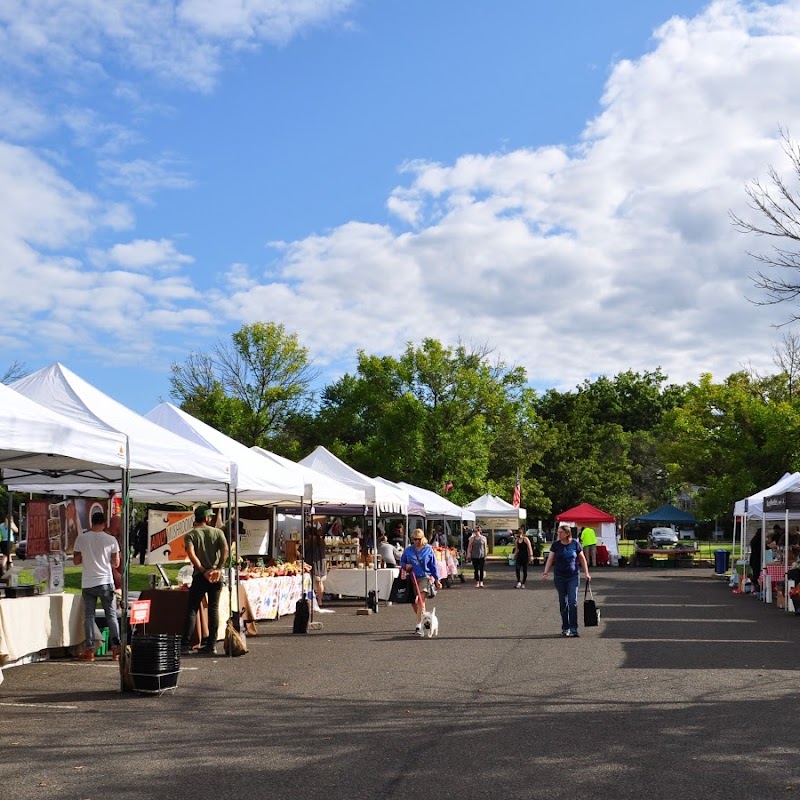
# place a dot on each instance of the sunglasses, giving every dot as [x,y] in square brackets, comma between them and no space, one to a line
[416,539]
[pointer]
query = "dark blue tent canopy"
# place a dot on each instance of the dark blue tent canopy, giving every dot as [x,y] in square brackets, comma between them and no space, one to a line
[668,515]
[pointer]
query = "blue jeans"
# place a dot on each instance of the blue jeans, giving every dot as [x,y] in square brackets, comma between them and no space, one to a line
[567,589]
[106,594]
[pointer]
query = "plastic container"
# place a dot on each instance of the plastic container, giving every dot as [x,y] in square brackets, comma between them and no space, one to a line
[155,662]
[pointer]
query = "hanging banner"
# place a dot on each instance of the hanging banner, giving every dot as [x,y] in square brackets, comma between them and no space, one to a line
[165,532]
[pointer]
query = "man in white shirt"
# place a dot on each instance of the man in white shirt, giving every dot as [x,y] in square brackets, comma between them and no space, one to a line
[98,552]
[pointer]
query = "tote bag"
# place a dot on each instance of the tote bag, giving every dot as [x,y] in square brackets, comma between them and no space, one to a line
[591,613]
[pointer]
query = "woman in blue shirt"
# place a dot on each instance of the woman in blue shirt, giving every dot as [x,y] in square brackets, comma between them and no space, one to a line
[418,558]
[566,555]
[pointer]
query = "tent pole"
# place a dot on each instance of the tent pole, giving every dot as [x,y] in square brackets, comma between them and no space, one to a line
[212,635]
[375,553]
[126,550]
[786,560]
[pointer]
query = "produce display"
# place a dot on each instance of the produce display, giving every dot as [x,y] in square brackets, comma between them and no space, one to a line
[277,570]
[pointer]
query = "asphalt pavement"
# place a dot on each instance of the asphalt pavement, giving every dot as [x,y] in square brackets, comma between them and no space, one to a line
[685,690]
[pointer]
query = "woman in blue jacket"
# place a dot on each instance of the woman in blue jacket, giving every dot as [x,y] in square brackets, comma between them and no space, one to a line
[418,558]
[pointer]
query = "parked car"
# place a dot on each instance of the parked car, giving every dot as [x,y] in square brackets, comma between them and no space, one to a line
[21,550]
[663,536]
[503,537]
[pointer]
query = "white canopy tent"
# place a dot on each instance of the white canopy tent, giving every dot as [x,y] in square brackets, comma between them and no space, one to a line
[769,505]
[381,496]
[34,439]
[319,488]
[494,512]
[753,505]
[162,466]
[437,506]
[257,480]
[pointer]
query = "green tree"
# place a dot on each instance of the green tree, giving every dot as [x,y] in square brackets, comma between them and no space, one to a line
[434,414]
[732,438]
[249,387]
[607,442]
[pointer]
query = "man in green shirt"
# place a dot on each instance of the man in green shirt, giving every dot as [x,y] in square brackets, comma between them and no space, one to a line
[589,544]
[207,549]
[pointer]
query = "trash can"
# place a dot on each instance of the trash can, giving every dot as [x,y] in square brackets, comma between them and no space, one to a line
[721,561]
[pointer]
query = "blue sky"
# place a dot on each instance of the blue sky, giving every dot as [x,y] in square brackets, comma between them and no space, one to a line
[553,179]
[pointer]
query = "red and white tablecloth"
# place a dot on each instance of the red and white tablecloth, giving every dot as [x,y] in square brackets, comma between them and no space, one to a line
[775,572]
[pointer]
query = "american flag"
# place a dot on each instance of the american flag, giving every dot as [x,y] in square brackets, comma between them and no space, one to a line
[517,495]
[448,485]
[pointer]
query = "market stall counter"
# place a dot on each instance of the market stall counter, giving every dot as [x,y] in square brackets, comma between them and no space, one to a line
[29,625]
[353,583]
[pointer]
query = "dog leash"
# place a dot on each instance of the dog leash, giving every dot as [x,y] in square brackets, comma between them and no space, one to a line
[416,586]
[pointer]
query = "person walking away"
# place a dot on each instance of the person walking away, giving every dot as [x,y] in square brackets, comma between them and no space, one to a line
[319,564]
[522,555]
[98,553]
[565,557]
[476,553]
[207,549]
[418,558]
[140,539]
[589,544]
[7,532]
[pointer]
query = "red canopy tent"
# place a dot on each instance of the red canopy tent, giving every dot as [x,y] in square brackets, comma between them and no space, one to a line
[605,526]
[584,514]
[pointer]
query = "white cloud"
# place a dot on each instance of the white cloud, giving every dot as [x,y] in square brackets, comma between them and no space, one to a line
[614,254]
[181,42]
[142,178]
[144,254]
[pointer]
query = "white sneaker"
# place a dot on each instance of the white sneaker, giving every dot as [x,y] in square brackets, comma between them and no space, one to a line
[518,586]
[418,630]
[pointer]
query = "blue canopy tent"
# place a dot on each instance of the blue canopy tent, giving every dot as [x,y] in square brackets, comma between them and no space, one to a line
[666,515]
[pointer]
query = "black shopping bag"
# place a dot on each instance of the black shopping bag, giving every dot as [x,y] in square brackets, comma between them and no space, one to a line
[402,591]
[302,613]
[591,613]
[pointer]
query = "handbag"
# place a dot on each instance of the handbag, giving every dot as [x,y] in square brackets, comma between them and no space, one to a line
[233,643]
[591,613]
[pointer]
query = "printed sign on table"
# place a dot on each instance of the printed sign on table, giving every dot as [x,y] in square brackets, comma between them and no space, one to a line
[140,612]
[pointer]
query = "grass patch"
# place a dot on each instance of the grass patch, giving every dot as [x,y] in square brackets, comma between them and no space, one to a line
[138,581]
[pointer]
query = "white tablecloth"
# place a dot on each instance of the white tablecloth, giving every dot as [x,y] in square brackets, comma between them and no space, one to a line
[270,598]
[31,624]
[350,582]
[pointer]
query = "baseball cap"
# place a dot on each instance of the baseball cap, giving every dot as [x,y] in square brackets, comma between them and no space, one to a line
[202,512]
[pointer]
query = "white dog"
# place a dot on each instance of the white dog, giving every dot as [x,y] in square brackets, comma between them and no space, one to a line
[430,624]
